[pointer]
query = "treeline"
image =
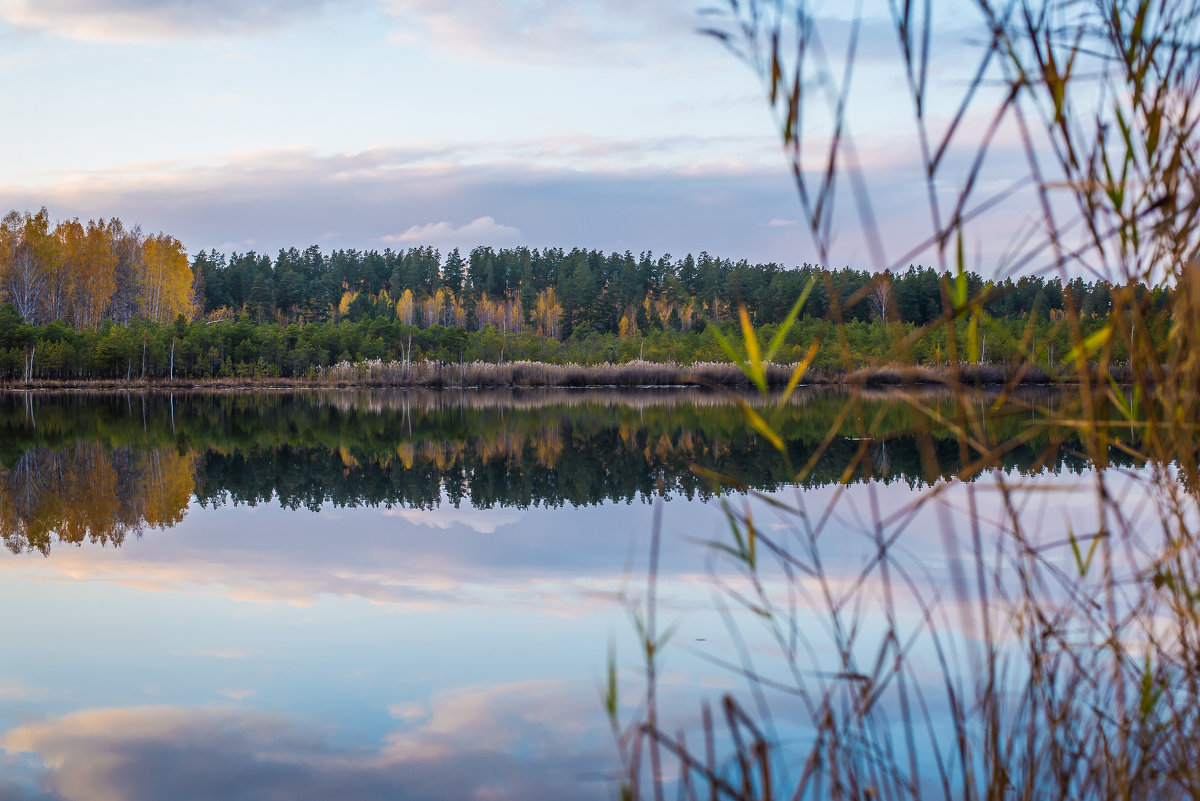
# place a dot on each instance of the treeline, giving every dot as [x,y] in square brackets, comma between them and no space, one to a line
[85,273]
[98,300]
[241,348]
[556,293]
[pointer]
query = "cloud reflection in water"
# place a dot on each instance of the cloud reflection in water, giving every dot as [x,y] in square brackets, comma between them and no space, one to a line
[519,741]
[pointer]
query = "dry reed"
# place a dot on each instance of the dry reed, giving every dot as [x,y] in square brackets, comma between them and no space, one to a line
[1022,656]
[653,374]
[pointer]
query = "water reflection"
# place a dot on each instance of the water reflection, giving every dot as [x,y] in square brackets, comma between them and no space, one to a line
[84,492]
[508,742]
[99,467]
[438,629]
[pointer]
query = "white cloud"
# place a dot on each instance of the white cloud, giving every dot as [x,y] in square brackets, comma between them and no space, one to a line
[535,716]
[214,653]
[235,247]
[480,231]
[153,20]
[541,31]
[514,741]
[576,198]
[283,198]
[15,690]
[512,30]
[484,521]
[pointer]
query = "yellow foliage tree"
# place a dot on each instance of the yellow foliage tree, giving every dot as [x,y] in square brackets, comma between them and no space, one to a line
[27,246]
[62,257]
[628,325]
[166,286]
[687,312]
[95,278]
[432,307]
[486,312]
[405,307]
[547,314]
[456,313]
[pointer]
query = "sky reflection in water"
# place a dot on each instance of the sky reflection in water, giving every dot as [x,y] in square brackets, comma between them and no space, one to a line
[367,652]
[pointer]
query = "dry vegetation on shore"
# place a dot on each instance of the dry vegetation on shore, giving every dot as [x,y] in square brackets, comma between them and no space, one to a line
[435,375]
[1047,644]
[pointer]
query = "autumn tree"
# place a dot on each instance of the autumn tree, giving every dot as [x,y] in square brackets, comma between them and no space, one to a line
[432,307]
[166,285]
[627,327]
[547,314]
[21,274]
[95,275]
[406,307]
[59,254]
[126,246]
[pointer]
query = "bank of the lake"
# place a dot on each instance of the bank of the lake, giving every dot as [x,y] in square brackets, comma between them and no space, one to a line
[631,374]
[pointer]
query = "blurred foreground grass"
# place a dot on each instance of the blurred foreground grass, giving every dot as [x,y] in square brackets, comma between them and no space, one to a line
[1047,660]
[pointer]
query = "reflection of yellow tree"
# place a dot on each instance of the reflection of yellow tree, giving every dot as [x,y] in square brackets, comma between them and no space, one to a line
[88,494]
[507,445]
[443,455]
[544,445]
[85,493]
[165,485]
[548,445]
[407,454]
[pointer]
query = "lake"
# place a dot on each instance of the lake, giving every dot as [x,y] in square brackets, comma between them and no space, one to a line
[418,595]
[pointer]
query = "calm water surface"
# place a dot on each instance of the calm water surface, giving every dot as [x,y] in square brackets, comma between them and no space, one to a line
[391,595]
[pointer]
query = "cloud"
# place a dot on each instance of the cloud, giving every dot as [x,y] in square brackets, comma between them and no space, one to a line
[15,690]
[392,562]
[537,31]
[675,194]
[215,653]
[288,197]
[541,31]
[482,521]
[524,741]
[154,20]
[480,231]
[523,716]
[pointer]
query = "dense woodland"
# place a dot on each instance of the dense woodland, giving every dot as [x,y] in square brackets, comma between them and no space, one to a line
[559,293]
[99,300]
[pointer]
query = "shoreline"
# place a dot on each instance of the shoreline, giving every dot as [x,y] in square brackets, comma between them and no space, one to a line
[607,376]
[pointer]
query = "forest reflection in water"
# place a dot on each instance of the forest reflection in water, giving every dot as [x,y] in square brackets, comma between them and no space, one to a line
[448,646]
[78,467]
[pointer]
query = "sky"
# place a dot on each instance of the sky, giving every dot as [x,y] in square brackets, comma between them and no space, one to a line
[609,124]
